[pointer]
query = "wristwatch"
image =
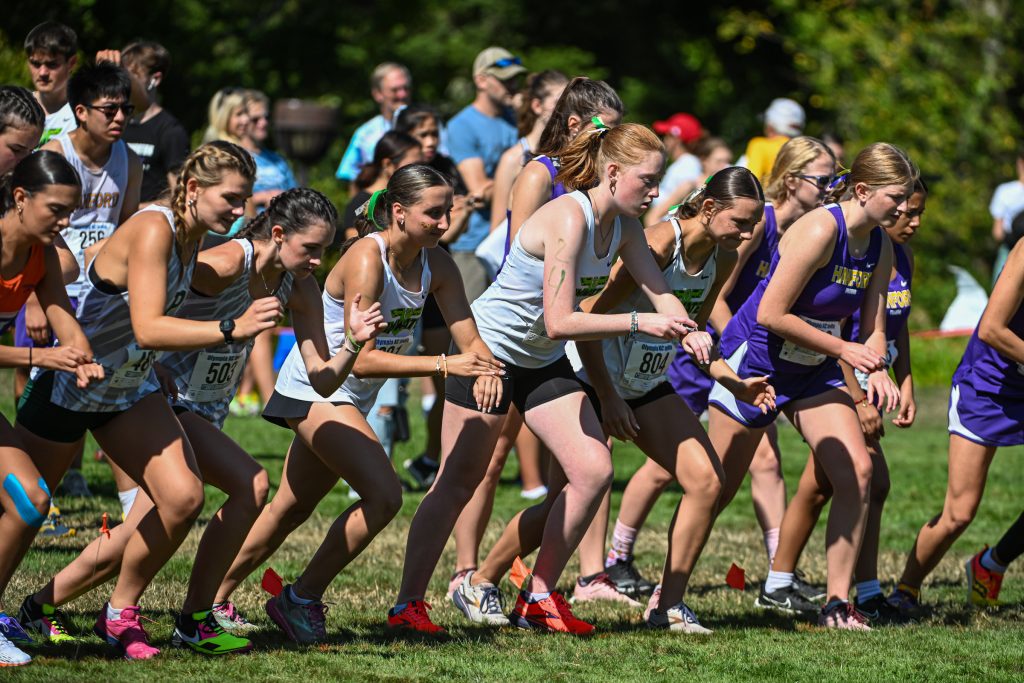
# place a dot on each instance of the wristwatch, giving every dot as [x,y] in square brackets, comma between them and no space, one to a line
[226,328]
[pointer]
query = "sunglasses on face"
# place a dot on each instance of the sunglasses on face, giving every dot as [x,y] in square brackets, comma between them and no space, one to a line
[508,61]
[819,181]
[110,110]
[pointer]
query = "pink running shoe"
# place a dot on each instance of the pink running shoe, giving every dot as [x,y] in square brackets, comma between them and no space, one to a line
[456,580]
[842,615]
[125,633]
[599,587]
[652,603]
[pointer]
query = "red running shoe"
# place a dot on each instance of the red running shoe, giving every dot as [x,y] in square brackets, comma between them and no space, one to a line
[414,616]
[551,614]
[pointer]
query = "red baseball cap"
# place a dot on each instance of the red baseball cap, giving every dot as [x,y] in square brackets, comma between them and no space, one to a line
[684,126]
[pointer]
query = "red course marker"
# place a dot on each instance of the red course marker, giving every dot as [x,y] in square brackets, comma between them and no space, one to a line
[735,578]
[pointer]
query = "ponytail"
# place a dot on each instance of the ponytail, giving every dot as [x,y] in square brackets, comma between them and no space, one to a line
[626,145]
[723,188]
[876,165]
[294,210]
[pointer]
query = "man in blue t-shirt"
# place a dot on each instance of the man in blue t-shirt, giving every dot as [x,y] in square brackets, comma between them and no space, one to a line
[391,89]
[477,137]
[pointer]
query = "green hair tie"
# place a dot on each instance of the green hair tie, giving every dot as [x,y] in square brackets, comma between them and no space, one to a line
[708,179]
[598,123]
[372,207]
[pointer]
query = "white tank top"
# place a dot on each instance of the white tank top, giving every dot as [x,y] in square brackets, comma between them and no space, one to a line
[510,314]
[402,310]
[637,365]
[102,197]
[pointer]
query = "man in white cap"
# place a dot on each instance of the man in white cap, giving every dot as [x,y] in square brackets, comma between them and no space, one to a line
[477,137]
[783,119]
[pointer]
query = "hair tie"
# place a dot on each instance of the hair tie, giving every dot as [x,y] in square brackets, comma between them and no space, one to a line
[599,126]
[840,177]
[371,207]
[696,192]
[708,179]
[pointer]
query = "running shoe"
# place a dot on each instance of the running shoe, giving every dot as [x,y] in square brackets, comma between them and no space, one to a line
[879,612]
[982,584]
[786,600]
[54,526]
[551,614]
[46,620]
[421,471]
[677,618]
[11,654]
[906,600]
[808,590]
[303,623]
[456,580]
[624,574]
[125,633]
[12,631]
[201,632]
[599,587]
[652,602]
[232,619]
[73,484]
[481,604]
[413,616]
[840,614]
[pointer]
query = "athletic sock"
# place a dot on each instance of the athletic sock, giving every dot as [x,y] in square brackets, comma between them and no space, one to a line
[537,597]
[127,499]
[296,599]
[399,606]
[771,543]
[777,580]
[989,563]
[909,590]
[113,614]
[1011,545]
[867,590]
[623,540]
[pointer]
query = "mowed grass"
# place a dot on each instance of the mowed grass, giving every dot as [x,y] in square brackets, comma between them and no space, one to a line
[748,644]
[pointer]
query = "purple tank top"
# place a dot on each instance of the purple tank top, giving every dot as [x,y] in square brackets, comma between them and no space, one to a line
[990,371]
[557,190]
[832,294]
[897,300]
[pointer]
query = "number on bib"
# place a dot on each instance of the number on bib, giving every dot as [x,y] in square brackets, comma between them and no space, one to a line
[215,376]
[646,364]
[134,371]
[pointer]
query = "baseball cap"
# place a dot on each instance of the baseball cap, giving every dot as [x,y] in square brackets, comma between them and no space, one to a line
[785,116]
[684,126]
[498,62]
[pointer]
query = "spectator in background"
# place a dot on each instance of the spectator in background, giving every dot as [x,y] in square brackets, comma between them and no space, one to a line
[1007,209]
[391,89]
[157,137]
[52,52]
[477,137]
[228,116]
[679,132]
[273,174]
[393,151]
[713,154]
[835,143]
[783,119]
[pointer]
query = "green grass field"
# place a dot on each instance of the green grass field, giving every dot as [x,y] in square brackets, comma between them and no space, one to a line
[952,643]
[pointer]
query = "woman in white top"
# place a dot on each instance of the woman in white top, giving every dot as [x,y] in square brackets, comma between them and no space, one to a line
[562,255]
[397,267]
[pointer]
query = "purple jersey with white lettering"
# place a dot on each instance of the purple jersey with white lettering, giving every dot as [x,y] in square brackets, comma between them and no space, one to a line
[991,372]
[897,300]
[831,294]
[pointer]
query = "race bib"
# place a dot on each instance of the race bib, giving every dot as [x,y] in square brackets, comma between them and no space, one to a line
[397,344]
[134,371]
[215,376]
[537,336]
[801,356]
[646,364]
[81,238]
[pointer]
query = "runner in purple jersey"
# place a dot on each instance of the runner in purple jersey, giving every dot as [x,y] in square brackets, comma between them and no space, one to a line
[986,412]
[814,490]
[801,174]
[790,330]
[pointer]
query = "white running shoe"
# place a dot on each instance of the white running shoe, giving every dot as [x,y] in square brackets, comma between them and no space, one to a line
[481,604]
[11,654]
[677,618]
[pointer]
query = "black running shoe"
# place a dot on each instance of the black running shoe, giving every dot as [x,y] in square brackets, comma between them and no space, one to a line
[422,472]
[806,589]
[628,580]
[880,613]
[786,600]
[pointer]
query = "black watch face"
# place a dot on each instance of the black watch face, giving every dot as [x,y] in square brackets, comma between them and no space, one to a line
[227,325]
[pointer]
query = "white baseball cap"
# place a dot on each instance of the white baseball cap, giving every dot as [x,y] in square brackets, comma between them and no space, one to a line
[786,116]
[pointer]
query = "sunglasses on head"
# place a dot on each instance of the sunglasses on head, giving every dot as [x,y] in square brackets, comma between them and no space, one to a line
[819,181]
[110,110]
[508,61]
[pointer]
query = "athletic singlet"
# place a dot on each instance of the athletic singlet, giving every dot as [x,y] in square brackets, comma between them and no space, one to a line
[991,372]
[102,197]
[61,121]
[832,294]
[104,316]
[15,292]
[897,303]
[402,310]
[639,364]
[510,313]
[207,379]
[557,190]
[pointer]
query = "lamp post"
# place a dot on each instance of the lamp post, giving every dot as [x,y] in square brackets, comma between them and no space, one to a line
[304,130]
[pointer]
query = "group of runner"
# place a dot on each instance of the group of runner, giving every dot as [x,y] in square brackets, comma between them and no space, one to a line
[746,302]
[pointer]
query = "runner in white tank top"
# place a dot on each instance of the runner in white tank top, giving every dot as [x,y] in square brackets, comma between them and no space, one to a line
[394,269]
[142,268]
[562,254]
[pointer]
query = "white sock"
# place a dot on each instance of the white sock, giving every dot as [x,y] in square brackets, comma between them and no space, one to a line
[867,590]
[989,563]
[295,598]
[427,402]
[127,499]
[537,597]
[777,580]
[113,614]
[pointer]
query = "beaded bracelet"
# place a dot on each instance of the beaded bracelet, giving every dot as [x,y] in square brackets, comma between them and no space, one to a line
[634,323]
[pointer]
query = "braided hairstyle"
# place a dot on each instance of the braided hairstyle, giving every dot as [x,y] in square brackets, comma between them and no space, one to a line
[18,108]
[208,166]
[294,210]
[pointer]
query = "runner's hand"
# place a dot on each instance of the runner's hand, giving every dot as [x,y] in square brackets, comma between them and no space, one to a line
[472,364]
[167,384]
[908,411]
[617,418]
[700,346]
[487,390]
[870,421]
[757,392]
[665,326]
[87,373]
[65,358]
[365,325]
[861,357]
[882,391]
[263,314]
[36,324]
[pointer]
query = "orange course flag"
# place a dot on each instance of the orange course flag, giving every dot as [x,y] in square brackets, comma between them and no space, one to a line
[518,573]
[735,578]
